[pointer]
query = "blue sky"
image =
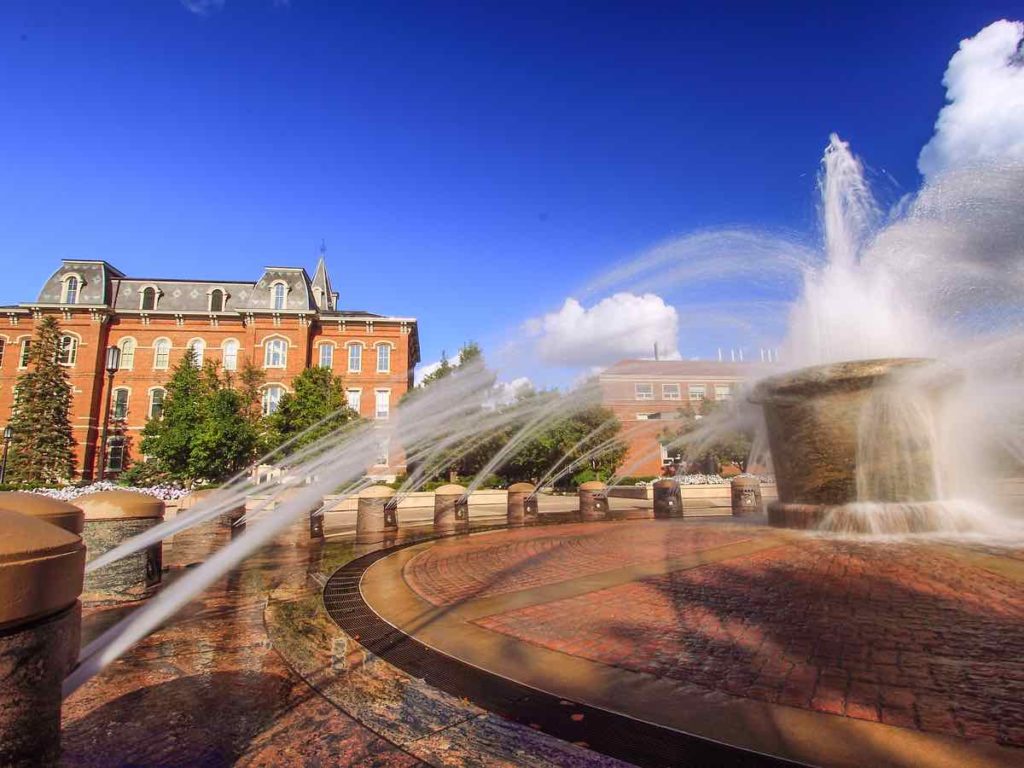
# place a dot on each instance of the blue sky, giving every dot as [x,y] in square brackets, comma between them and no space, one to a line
[469,164]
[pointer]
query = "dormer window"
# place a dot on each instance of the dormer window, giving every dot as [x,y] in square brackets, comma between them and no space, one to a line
[148,301]
[71,286]
[278,292]
[318,297]
[216,300]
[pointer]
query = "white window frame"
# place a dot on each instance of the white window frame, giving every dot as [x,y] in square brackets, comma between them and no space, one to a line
[667,394]
[113,403]
[383,452]
[142,298]
[358,398]
[328,347]
[264,397]
[229,359]
[127,355]
[66,283]
[376,404]
[223,300]
[390,348]
[646,394]
[271,343]
[24,352]
[73,354]
[723,392]
[283,285]
[348,354]
[4,342]
[696,392]
[157,344]
[199,346]
[152,402]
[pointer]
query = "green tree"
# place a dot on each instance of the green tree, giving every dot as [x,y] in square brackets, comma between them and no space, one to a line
[718,447]
[225,441]
[168,440]
[317,404]
[43,447]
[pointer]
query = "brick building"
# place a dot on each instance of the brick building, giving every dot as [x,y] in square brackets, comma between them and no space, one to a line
[646,396]
[284,322]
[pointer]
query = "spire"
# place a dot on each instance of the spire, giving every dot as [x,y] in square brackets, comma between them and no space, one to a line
[322,292]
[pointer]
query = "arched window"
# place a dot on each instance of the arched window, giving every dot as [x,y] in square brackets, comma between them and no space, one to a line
[230,355]
[318,297]
[198,347]
[161,354]
[278,293]
[326,355]
[119,410]
[271,398]
[71,289]
[3,348]
[275,353]
[67,353]
[216,300]
[127,354]
[383,358]
[156,403]
[355,357]
[26,348]
[148,301]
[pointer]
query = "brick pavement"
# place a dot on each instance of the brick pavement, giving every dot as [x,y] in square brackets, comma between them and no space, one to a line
[907,634]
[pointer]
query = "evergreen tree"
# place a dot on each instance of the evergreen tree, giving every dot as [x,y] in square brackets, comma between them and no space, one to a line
[318,401]
[225,441]
[43,447]
[169,439]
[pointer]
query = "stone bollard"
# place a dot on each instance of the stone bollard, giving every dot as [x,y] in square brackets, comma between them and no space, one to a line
[451,508]
[316,523]
[668,499]
[376,514]
[41,568]
[112,517]
[593,501]
[59,513]
[522,504]
[746,496]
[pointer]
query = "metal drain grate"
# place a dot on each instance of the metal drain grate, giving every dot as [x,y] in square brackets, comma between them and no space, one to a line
[606,732]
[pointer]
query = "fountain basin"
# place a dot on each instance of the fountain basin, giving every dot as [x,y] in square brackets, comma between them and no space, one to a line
[839,434]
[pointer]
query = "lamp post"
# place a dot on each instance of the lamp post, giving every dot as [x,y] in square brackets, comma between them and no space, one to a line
[113,363]
[8,436]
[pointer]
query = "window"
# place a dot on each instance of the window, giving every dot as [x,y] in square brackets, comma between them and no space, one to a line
[383,451]
[67,353]
[71,290]
[355,358]
[230,355]
[161,354]
[644,391]
[127,354]
[383,404]
[26,345]
[216,300]
[271,398]
[648,416]
[383,358]
[148,301]
[326,355]
[354,396]
[723,392]
[156,403]
[3,346]
[198,347]
[120,409]
[275,353]
[278,292]
[669,391]
[697,392]
[115,454]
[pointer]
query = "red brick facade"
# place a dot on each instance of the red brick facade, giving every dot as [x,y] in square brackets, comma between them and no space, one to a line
[282,334]
[646,396]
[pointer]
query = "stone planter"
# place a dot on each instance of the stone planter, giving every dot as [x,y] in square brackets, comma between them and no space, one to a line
[376,519]
[451,509]
[746,496]
[593,501]
[112,517]
[41,569]
[522,504]
[53,511]
[668,499]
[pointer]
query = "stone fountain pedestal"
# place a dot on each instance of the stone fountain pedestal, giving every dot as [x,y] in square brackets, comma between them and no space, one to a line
[816,419]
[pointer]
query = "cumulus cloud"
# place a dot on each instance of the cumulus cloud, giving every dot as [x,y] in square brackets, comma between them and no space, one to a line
[984,119]
[506,392]
[203,7]
[621,326]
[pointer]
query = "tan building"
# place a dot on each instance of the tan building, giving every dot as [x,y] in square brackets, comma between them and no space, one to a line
[647,395]
[284,322]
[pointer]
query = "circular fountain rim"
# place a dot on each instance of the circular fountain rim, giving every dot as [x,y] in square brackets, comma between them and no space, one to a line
[845,375]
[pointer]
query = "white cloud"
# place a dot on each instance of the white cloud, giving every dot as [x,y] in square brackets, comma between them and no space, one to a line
[505,392]
[422,371]
[203,7]
[984,119]
[621,326]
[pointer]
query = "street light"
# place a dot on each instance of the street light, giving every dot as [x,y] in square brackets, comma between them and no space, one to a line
[113,363]
[8,436]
